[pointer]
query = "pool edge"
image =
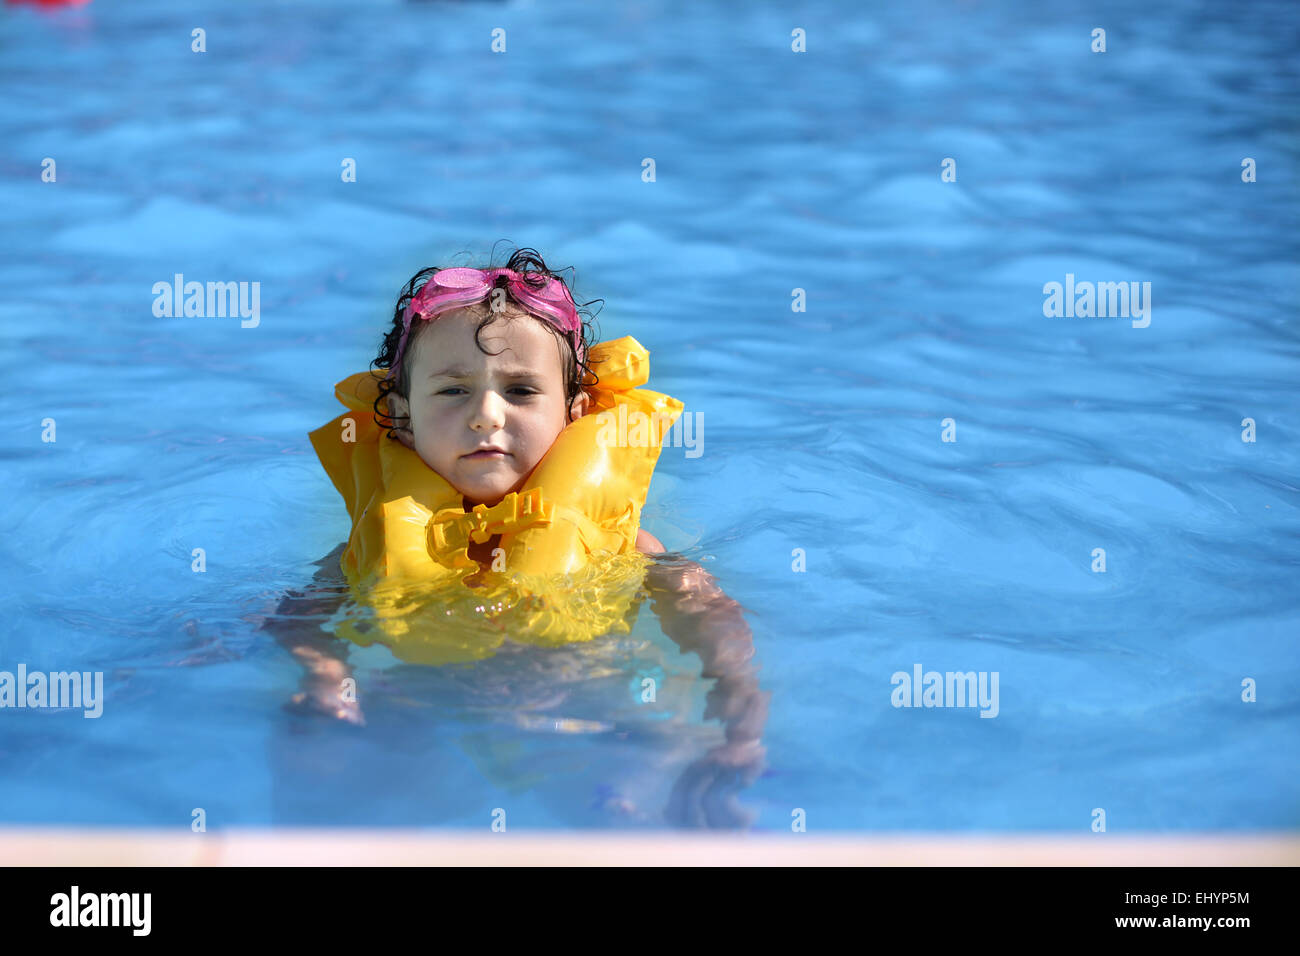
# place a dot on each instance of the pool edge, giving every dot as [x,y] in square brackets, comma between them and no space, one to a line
[58,846]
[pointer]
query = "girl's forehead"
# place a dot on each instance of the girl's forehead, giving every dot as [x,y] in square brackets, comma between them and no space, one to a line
[518,338]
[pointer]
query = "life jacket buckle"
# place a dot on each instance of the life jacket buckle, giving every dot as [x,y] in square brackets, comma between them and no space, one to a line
[512,514]
[453,530]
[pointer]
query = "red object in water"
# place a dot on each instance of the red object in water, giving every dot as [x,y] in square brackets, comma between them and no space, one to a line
[52,3]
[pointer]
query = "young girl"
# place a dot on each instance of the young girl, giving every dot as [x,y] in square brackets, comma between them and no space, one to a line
[493,435]
[484,372]
[484,375]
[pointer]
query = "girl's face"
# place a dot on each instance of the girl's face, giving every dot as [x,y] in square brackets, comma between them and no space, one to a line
[462,400]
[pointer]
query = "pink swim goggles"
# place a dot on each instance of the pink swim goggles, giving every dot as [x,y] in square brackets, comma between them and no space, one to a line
[449,289]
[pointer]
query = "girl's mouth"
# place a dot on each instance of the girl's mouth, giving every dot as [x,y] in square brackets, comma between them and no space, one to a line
[487,453]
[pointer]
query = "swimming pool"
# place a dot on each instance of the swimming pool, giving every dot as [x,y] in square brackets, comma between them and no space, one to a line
[823,430]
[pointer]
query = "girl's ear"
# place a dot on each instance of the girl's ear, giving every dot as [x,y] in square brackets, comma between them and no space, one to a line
[579,406]
[400,411]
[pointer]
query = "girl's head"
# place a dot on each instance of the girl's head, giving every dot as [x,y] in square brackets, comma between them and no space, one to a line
[501,371]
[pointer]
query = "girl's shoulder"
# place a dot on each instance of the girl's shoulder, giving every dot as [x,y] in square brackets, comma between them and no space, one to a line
[647,543]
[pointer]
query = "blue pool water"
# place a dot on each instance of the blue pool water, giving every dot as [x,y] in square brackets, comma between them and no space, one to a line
[775,171]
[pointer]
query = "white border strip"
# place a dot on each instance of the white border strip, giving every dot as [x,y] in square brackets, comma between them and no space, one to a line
[304,847]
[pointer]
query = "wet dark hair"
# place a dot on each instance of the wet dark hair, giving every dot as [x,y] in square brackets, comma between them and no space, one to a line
[522,260]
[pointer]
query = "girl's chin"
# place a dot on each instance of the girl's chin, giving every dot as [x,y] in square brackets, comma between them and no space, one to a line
[489,496]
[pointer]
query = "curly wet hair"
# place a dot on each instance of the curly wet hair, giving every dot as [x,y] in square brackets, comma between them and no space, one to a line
[523,260]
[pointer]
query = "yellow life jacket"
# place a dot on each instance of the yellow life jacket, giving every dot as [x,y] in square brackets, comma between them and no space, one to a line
[568,568]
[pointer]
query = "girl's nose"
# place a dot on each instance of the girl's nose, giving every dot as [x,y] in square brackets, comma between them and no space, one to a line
[488,413]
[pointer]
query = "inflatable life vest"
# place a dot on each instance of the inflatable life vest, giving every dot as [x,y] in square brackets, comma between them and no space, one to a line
[568,568]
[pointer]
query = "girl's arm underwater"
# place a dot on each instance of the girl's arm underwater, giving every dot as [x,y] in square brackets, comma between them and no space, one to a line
[323,658]
[699,616]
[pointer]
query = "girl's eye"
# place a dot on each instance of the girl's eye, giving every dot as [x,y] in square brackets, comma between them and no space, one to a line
[515,389]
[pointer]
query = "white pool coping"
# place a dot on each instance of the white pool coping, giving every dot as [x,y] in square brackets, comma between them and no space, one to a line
[38,846]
